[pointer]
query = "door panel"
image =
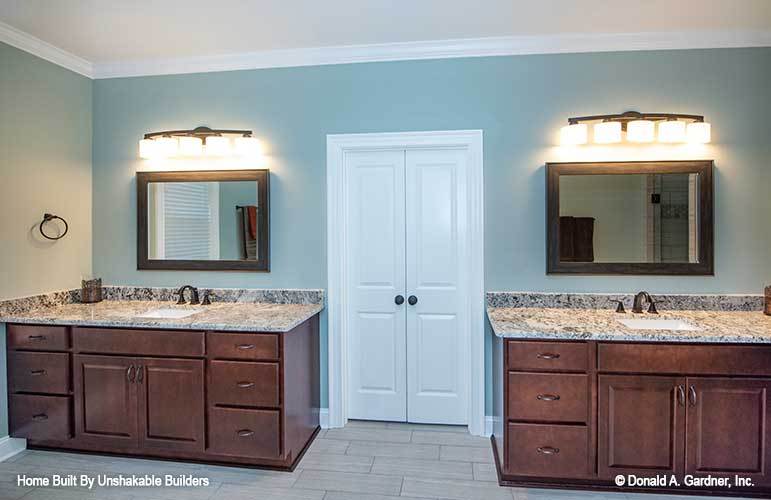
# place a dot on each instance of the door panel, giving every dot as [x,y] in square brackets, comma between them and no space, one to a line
[105,401]
[641,425]
[727,428]
[377,350]
[437,332]
[171,403]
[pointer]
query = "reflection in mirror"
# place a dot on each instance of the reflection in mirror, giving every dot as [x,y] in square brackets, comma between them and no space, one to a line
[203,220]
[632,218]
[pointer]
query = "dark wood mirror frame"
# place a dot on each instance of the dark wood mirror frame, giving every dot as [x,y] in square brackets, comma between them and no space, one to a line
[705,264]
[262,177]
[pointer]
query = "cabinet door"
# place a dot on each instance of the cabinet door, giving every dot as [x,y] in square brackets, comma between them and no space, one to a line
[171,403]
[641,425]
[105,401]
[727,428]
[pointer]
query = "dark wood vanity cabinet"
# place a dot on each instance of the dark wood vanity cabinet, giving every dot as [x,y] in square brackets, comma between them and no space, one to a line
[578,414]
[244,398]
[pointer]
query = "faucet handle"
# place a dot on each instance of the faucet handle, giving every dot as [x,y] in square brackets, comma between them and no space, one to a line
[181,299]
[620,308]
[652,307]
[205,301]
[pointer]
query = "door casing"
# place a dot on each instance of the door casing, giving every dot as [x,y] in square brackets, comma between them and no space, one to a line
[337,146]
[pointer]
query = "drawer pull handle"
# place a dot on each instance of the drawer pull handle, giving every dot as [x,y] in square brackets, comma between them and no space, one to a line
[680,395]
[37,338]
[548,397]
[40,417]
[245,433]
[37,372]
[245,346]
[245,385]
[548,450]
[692,395]
[548,355]
[140,374]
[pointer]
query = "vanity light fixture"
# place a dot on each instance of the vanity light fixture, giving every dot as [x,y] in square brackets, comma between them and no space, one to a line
[639,128]
[198,142]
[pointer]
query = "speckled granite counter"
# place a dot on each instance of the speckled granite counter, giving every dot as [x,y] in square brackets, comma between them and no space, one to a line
[242,317]
[563,323]
[248,310]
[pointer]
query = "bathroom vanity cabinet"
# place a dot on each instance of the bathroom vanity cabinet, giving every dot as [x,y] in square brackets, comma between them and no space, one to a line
[577,414]
[242,398]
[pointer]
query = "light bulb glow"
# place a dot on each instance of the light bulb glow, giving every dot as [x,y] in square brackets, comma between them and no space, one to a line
[147,149]
[248,147]
[217,146]
[640,131]
[672,131]
[190,146]
[166,147]
[699,132]
[607,132]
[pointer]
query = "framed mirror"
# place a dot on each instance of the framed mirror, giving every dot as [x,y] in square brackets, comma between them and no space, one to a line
[630,218]
[204,220]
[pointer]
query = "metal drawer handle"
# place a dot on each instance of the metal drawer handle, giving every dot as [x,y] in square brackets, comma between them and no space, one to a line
[245,385]
[40,417]
[548,450]
[245,346]
[130,373]
[140,373]
[37,337]
[37,372]
[548,355]
[245,433]
[692,395]
[548,397]
[680,395]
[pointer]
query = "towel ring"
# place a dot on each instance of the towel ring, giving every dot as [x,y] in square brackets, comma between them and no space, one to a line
[49,218]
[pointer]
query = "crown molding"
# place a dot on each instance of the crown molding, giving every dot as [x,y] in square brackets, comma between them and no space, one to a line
[439,49]
[403,51]
[44,50]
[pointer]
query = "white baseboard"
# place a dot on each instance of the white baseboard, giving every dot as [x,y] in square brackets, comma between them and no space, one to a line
[324,418]
[11,446]
[489,419]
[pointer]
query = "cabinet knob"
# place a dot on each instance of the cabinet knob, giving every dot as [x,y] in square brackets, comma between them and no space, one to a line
[412,300]
[245,433]
[245,385]
[399,299]
[548,450]
[548,397]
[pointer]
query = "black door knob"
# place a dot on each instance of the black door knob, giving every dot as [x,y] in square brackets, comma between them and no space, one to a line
[399,300]
[412,300]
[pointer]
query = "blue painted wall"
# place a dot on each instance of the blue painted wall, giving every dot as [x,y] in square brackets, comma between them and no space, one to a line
[45,166]
[520,103]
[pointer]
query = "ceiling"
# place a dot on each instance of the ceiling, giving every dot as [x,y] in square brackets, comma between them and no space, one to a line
[120,31]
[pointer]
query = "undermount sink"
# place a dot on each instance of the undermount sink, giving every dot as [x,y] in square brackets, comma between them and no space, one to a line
[658,324]
[169,313]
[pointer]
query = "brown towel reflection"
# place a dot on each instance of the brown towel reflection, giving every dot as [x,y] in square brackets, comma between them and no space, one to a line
[251,212]
[577,239]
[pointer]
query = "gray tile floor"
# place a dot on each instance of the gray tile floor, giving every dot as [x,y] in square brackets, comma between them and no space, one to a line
[364,461]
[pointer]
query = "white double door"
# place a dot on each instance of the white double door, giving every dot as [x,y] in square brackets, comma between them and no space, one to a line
[408,342]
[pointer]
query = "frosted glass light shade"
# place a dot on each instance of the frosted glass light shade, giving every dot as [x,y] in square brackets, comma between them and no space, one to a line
[607,132]
[577,133]
[190,146]
[248,147]
[699,132]
[640,131]
[147,149]
[217,146]
[166,147]
[672,131]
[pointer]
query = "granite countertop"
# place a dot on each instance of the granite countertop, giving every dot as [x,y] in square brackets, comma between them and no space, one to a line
[223,316]
[600,324]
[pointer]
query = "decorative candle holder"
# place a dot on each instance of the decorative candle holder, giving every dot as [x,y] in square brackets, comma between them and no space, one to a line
[91,291]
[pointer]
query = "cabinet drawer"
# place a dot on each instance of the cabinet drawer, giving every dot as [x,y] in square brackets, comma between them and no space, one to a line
[251,346]
[46,372]
[547,356]
[685,359]
[142,342]
[38,338]
[548,397]
[241,383]
[245,433]
[558,451]
[40,418]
